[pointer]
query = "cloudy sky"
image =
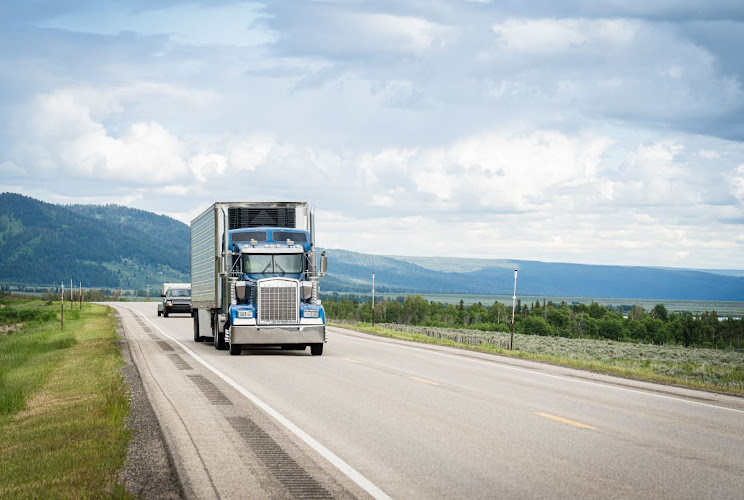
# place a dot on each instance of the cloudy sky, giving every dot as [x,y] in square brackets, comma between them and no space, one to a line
[575,131]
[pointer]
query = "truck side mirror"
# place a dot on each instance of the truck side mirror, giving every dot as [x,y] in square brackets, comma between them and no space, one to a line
[162,295]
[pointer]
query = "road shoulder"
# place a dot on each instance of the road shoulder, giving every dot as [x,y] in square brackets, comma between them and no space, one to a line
[149,472]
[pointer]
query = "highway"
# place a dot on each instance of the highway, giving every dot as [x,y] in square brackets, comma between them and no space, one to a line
[380,418]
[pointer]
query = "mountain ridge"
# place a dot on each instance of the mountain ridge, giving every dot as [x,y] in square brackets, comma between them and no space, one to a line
[121,247]
[496,277]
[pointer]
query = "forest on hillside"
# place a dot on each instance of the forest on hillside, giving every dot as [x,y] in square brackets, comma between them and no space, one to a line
[42,243]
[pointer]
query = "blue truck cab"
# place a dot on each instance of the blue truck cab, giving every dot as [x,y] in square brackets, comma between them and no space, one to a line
[277,262]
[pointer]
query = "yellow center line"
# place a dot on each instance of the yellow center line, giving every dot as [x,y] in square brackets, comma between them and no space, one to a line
[352,360]
[565,421]
[424,381]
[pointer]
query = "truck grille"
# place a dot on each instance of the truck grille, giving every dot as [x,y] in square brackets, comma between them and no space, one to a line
[278,302]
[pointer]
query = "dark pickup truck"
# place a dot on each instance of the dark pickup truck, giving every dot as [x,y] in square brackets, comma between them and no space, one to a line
[176,300]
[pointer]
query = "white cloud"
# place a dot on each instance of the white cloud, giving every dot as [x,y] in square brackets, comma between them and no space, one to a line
[9,169]
[510,172]
[237,24]
[558,35]
[527,133]
[652,176]
[737,183]
[709,154]
[208,166]
[416,34]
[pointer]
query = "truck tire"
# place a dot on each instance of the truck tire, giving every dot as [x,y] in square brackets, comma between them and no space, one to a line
[218,337]
[235,349]
[219,341]
[160,312]
[197,337]
[165,313]
[316,349]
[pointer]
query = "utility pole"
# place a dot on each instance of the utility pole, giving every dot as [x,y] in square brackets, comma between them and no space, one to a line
[80,287]
[514,304]
[62,308]
[71,297]
[373,299]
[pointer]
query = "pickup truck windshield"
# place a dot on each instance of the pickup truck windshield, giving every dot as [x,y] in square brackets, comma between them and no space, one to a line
[179,292]
[272,264]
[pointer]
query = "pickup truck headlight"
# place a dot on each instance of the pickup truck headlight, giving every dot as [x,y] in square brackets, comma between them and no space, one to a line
[245,314]
[313,313]
[168,303]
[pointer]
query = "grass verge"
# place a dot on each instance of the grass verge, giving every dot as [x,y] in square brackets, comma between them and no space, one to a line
[63,408]
[706,369]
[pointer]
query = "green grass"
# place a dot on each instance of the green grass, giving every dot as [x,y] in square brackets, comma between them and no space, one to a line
[63,408]
[707,369]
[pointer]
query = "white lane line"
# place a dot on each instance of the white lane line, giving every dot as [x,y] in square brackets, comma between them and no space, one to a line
[337,462]
[495,363]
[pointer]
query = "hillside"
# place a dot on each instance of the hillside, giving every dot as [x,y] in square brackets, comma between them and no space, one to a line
[108,246]
[115,246]
[352,272]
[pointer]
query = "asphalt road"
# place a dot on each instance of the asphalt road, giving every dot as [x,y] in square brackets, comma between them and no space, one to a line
[378,417]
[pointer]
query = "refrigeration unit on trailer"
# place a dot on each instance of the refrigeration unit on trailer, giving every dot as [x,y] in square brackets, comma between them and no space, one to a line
[254,277]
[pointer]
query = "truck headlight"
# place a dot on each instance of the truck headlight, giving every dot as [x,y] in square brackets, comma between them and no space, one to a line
[314,313]
[169,303]
[245,314]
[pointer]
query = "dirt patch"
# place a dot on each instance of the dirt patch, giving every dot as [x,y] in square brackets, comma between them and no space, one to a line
[10,328]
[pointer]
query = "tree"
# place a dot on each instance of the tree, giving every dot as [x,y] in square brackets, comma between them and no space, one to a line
[611,327]
[636,313]
[416,310]
[596,311]
[534,325]
[660,312]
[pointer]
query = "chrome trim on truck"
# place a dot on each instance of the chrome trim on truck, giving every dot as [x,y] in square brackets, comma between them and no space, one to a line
[275,335]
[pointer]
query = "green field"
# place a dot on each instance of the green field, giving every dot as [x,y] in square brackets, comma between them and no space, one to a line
[63,405]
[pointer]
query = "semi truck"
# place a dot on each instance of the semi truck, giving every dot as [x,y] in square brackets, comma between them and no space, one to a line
[255,277]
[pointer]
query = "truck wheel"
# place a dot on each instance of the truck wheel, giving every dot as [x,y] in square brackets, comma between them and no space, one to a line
[197,337]
[235,349]
[316,349]
[165,313]
[160,312]
[220,343]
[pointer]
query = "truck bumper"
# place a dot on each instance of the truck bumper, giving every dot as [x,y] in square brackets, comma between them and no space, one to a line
[275,335]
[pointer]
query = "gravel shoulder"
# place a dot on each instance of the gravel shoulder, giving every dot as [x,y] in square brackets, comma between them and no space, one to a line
[149,472]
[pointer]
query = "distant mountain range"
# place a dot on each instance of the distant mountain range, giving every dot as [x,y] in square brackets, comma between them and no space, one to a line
[115,246]
[435,275]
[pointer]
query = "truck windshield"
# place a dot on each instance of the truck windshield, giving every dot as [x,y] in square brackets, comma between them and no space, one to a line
[272,264]
[179,292]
